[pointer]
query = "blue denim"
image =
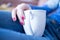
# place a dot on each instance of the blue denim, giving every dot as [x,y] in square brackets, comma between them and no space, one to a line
[56,15]
[56,24]
[12,35]
[41,8]
[53,29]
[6,22]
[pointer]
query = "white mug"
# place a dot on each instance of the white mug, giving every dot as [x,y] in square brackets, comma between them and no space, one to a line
[35,21]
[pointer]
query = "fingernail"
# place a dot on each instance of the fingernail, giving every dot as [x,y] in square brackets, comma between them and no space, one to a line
[14,19]
[23,17]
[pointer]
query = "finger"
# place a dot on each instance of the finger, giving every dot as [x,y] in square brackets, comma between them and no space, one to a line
[14,14]
[20,12]
[20,16]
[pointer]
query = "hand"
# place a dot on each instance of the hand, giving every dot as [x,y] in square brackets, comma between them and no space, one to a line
[19,11]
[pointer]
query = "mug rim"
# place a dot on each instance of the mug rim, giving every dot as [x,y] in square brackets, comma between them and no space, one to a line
[36,10]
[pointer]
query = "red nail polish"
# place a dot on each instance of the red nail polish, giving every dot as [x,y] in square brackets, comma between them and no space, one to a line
[23,17]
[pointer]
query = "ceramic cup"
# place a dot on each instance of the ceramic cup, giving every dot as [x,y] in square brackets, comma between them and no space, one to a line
[35,21]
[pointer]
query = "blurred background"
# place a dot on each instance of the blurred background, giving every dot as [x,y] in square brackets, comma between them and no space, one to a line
[9,4]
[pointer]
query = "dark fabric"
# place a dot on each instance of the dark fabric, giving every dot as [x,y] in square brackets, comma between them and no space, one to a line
[56,15]
[6,22]
[55,22]
[12,35]
[53,28]
[44,7]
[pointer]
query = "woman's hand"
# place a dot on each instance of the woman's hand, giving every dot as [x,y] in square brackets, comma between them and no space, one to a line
[19,11]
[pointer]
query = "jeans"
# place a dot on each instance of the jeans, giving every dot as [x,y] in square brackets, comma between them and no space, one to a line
[7,22]
[12,35]
[10,30]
